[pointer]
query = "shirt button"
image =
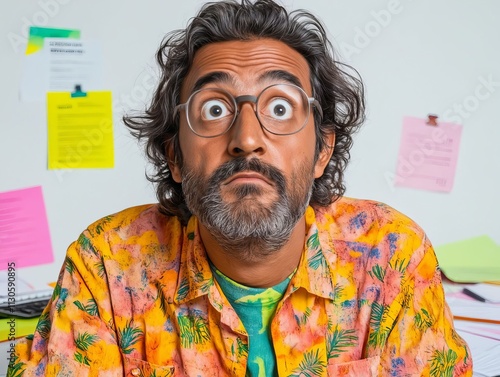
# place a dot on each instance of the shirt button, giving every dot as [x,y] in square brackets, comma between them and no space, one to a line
[136,372]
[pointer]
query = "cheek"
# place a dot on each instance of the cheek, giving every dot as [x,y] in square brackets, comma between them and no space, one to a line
[296,161]
[300,149]
[200,155]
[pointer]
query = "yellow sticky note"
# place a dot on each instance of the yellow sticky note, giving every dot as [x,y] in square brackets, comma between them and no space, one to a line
[22,326]
[473,260]
[80,130]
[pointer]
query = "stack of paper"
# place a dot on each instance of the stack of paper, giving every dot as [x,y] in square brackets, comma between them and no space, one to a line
[478,323]
[475,304]
[473,310]
[484,355]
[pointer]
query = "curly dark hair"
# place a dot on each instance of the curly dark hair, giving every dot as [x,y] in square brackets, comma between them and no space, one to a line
[336,86]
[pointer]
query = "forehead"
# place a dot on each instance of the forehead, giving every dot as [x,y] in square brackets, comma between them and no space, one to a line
[245,66]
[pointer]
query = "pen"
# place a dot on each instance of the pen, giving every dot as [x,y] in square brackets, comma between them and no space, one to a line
[482,320]
[475,296]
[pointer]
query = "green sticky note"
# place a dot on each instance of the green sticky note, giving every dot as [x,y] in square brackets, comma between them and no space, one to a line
[38,34]
[473,260]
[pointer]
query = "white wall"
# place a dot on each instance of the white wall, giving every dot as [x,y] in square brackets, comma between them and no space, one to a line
[427,57]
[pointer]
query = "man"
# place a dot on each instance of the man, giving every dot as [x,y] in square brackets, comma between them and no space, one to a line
[252,263]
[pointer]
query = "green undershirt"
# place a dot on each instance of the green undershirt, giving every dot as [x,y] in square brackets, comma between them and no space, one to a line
[255,307]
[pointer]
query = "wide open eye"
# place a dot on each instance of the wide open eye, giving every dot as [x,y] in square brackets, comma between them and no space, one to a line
[214,109]
[279,109]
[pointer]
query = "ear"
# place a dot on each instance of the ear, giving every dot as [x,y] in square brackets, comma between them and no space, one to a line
[173,164]
[324,155]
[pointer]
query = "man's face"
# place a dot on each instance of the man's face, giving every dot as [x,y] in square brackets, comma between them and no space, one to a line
[248,187]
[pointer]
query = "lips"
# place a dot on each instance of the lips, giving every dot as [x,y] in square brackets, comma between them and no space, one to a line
[247,175]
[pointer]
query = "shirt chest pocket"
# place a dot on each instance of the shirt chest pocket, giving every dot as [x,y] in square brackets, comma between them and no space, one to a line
[365,367]
[140,368]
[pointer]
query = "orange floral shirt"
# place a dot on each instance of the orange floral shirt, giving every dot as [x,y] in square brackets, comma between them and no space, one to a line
[136,297]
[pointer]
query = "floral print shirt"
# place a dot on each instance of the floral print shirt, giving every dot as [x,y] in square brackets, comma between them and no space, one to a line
[136,297]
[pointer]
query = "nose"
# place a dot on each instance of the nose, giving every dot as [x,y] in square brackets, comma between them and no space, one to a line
[246,134]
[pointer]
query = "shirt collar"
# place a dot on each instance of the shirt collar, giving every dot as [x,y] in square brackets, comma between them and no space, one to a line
[314,272]
[195,276]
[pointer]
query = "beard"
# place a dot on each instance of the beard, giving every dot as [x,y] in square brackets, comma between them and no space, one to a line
[246,227]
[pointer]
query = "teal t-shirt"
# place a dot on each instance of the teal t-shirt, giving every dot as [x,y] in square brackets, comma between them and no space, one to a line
[255,307]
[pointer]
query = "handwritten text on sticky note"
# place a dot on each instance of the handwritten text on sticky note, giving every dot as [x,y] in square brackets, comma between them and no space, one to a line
[428,155]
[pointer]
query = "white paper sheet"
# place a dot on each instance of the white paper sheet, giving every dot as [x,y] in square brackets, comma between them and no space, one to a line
[73,62]
[485,354]
[59,66]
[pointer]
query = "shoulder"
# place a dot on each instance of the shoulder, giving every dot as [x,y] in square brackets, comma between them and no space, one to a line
[134,219]
[136,236]
[371,229]
[355,217]
[143,226]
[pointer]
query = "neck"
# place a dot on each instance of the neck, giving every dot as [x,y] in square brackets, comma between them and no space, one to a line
[263,272]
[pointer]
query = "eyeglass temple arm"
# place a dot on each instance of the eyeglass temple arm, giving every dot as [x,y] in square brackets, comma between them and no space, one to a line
[179,107]
[315,103]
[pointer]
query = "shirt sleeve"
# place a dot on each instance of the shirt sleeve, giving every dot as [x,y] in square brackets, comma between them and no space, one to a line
[75,334]
[418,323]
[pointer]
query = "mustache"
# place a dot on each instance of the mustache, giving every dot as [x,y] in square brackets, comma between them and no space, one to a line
[242,164]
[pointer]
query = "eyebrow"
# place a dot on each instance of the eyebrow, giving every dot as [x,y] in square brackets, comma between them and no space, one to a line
[224,77]
[212,77]
[280,75]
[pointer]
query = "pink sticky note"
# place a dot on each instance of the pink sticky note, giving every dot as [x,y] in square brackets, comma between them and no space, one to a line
[24,230]
[428,155]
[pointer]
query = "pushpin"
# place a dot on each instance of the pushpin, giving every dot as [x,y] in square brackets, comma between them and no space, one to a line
[432,120]
[78,92]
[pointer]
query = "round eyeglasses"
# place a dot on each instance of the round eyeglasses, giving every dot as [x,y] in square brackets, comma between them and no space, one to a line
[282,109]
